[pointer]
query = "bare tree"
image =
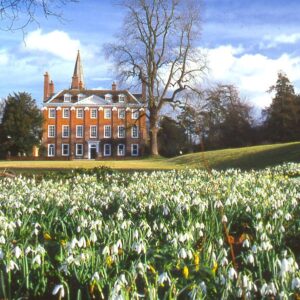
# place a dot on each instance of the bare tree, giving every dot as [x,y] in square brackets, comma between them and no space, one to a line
[17,14]
[157,47]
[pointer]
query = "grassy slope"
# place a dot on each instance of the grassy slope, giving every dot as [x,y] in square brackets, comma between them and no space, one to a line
[244,158]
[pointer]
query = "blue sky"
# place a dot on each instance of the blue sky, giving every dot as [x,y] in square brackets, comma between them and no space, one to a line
[246,42]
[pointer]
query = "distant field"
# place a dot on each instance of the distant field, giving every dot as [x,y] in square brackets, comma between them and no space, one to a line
[256,157]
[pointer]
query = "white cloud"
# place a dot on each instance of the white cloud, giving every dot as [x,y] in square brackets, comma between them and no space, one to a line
[270,41]
[55,42]
[4,57]
[253,74]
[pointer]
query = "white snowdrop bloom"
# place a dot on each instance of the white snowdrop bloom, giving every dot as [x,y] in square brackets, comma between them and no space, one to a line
[96,276]
[283,296]
[254,249]
[232,274]
[166,210]
[74,243]
[203,287]
[119,244]
[224,219]
[1,254]
[78,229]
[224,262]
[105,250]
[182,253]
[93,237]
[258,216]
[221,242]
[245,280]
[266,246]
[122,279]
[296,283]
[288,216]
[11,266]
[37,260]
[114,249]
[17,251]
[222,279]
[163,277]
[248,209]
[140,267]
[63,268]
[218,204]
[282,229]
[82,243]
[246,243]
[59,289]
[136,234]
[268,289]
[2,239]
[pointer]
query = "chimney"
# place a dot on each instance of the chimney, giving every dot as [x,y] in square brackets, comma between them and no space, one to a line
[144,91]
[46,86]
[51,88]
[114,86]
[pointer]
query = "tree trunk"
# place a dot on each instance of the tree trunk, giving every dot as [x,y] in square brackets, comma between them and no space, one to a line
[153,133]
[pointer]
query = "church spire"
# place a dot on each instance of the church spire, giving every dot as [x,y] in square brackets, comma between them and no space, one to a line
[77,79]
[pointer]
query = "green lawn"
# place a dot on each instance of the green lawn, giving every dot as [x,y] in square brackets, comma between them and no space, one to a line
[245,158]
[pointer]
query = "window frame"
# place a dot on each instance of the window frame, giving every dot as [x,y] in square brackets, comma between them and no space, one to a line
[133,114]
[93,126]
[105,111]
[62,149]
[78,126]
[51,109]
[54,131]
[104,131]
[66,109]
[63,131]
[137,132]
[91,113]
[76,149]
[119,136]
[104,148]
[137,149]
[122,96]
[67,98]
[81,110]
[121,110]
[118,150]
[48,152]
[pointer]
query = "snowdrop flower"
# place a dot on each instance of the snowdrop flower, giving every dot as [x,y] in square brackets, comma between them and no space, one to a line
[11,266]
[93,237]
[224,219]
[268,289]
[224,262]
[232,274]
[296,283]
[246,243]
[1,254]
[250,259]
[283,296]
[82,243]
[119,244]
[182,253]
[18,252]
[105,250]
[288,216]
[37,260]
[163,277]
[96,277]
[203,287]
[2,239]
[59,289]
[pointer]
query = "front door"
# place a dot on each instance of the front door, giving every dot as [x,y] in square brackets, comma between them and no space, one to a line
[93,153]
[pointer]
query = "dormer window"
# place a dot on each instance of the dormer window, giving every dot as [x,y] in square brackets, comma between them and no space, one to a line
[122,98]
[67,97]
[108,97]
[80,97]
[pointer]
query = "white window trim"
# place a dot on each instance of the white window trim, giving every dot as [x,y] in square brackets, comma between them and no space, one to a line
[122,96]
[137,149]
[121,137]
[105,126]
[49,113]
[79,109]
[51,155]
[118,152]
[76,150]
[67,96]
[108,97]
[51,136]
[77,136]
[63,114]
[95,110]
[80,97]
[133,112]
[63,131]
[104,146]
[94,126]
[135,137]
[105,110]
[62,150]
[121,109]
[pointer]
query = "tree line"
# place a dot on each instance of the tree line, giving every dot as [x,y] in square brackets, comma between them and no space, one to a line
[219,118]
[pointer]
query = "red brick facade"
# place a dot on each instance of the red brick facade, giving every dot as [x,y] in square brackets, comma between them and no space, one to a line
[91,124]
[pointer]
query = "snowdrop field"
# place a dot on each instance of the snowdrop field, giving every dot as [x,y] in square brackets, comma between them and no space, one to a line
[188,234]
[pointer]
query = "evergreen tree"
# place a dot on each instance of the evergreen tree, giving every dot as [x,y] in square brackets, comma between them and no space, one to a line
[21,124]
[282,117]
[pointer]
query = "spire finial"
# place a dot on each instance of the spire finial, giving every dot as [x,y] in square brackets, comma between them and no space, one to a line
[78,74]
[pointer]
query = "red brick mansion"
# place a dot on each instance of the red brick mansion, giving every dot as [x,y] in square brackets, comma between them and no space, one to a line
[91,124]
